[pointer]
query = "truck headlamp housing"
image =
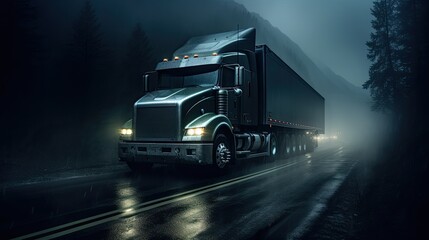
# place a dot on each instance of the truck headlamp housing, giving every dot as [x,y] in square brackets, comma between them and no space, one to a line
[126,132]
[195,132]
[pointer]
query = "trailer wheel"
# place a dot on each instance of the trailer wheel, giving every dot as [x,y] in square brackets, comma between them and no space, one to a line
[298,144]
[293,138]
[274,151]
[221,152]
[300,148]
[304,143]
[139,166]
[288,149]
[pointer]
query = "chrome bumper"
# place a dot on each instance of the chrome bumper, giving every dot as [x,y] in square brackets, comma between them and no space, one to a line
[187,153]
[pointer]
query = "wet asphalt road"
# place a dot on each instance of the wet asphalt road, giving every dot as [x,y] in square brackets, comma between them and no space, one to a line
[255,199]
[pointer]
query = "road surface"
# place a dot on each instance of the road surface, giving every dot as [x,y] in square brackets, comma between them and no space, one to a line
[255,199]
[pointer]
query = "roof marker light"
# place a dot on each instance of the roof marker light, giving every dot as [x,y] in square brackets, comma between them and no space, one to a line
[214,54]
[185,57]
[176,58]
[195,55]
[165,60]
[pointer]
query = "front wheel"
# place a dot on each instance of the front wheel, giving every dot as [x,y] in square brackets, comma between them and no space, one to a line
[222,155]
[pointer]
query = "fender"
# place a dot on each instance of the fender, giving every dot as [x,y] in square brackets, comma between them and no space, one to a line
[128,124]
[211,122]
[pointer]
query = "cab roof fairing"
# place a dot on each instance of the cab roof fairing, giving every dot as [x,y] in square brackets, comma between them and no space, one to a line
[242,41]
[233,41]
[190,62]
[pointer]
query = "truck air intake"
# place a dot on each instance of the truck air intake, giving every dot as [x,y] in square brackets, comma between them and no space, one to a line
[222,102]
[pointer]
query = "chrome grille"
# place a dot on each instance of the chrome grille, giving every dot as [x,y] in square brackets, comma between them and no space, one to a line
[158,123]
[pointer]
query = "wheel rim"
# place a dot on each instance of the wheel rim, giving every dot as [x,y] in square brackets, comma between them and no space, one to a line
[273,147]
[287,145]
[223,155]
[293,144]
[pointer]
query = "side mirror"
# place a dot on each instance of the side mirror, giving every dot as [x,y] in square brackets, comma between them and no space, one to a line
[238,92]
[239,74]
[145,82]
[150,81]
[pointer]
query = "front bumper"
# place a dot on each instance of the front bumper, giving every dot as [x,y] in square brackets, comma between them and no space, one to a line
[187,153]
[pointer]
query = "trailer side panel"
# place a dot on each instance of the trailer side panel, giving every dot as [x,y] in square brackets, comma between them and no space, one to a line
[289,101]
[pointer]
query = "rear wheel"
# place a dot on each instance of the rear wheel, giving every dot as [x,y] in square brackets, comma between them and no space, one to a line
[222,155]
[288,149]
[305,143]
[274,151]
[293,147]
[139,166]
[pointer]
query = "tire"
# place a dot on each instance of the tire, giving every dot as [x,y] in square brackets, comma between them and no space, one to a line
[305,143]
[293,144]
[222,152]
[274,147]
[299,144]
[139,166]
[288,149]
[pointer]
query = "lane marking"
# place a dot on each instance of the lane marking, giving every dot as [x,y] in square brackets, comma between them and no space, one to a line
[95,220]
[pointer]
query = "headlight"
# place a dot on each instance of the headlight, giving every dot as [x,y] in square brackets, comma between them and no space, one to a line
[126,131]
[195,131]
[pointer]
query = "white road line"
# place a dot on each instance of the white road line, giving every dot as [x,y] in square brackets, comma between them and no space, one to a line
[142,207]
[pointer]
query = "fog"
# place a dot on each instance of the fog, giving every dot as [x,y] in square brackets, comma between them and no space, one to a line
[332,32]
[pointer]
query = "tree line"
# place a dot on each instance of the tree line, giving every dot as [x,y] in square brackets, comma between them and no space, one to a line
[68,99]
[398,49]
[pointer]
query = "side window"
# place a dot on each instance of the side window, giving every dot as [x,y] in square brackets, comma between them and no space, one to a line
[228,75]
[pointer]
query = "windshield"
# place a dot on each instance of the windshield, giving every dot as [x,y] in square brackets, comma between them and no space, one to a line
[179,79]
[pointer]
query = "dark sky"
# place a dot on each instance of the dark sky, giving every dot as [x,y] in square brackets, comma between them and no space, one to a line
[332,32]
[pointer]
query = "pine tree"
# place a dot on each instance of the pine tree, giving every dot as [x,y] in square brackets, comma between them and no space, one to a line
[19,48]
[138,60]
[383,74]
[413,30]
[87,48]
[86,60]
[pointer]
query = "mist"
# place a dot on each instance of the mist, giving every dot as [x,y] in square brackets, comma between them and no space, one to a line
[332,33]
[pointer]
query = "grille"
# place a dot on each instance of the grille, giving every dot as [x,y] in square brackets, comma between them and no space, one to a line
[156,123]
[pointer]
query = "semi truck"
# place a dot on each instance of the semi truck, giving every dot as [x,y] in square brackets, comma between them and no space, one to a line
[221,98]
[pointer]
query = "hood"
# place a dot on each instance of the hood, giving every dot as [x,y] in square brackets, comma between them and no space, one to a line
[171,96]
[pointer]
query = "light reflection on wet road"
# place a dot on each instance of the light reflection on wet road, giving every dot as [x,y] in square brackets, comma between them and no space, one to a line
[255,198]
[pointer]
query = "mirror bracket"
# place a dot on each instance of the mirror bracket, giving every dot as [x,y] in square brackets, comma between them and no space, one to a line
[238,91]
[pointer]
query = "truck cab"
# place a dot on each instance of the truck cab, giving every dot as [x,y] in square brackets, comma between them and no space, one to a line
[192,102]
